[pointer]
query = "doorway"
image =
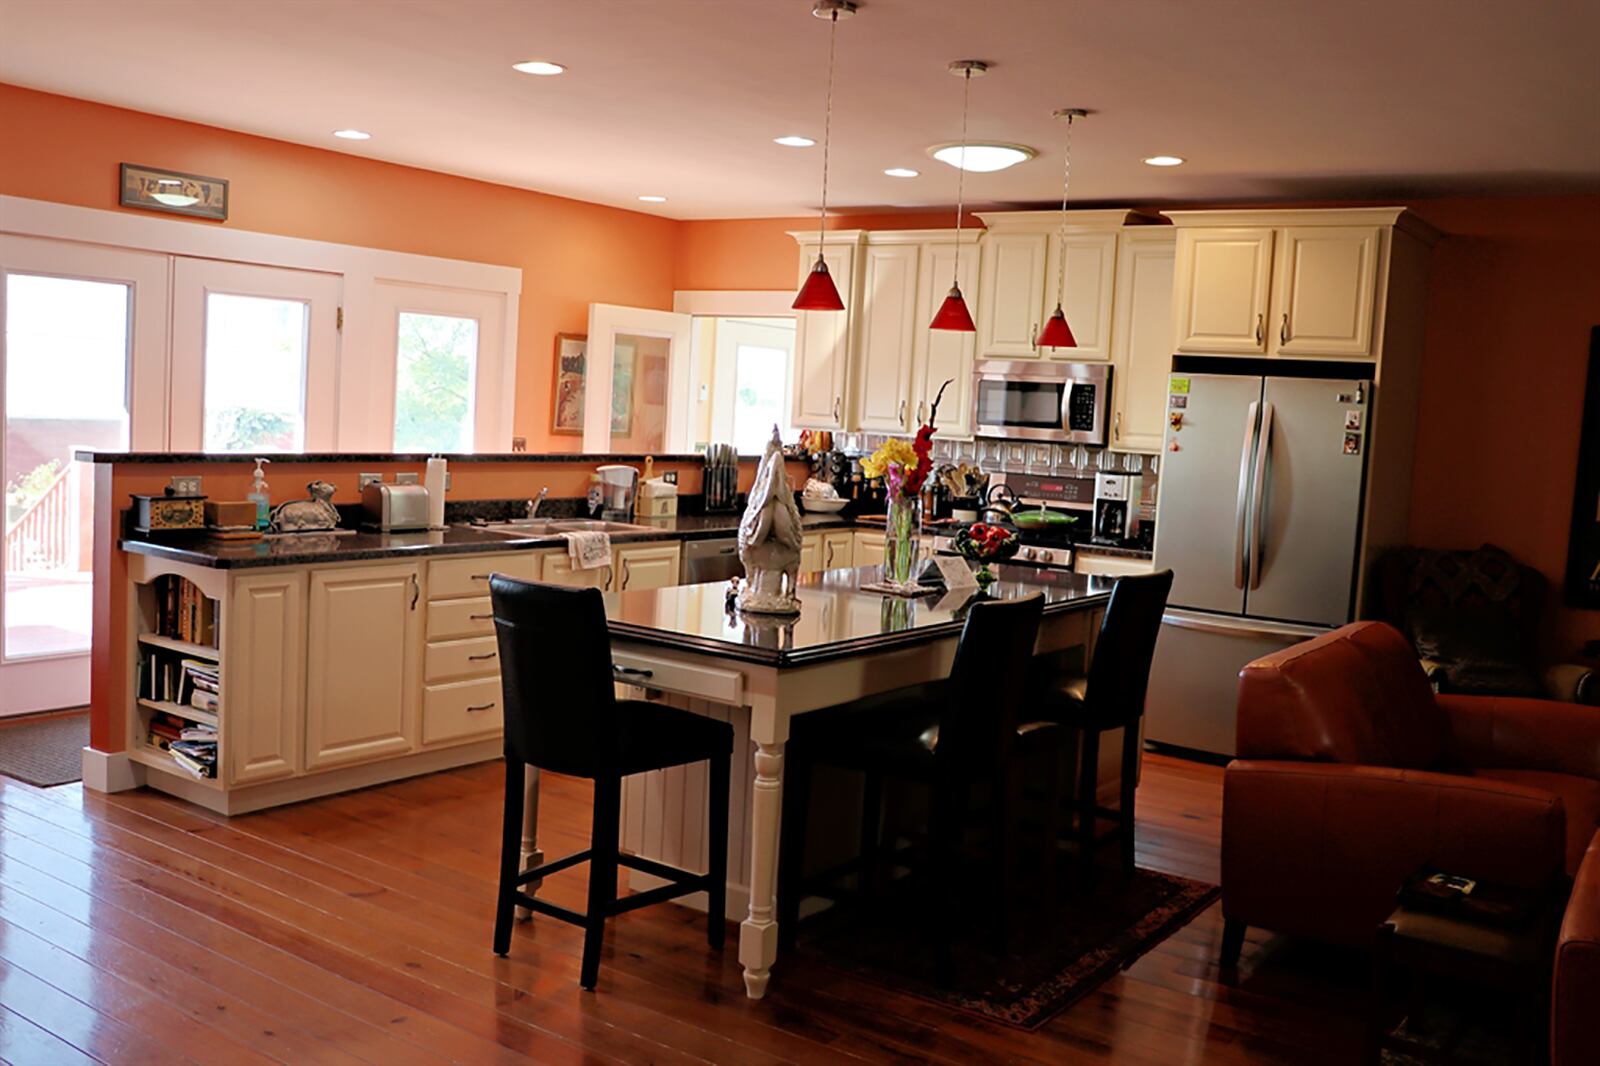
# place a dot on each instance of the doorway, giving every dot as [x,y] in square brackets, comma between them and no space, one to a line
[743,380]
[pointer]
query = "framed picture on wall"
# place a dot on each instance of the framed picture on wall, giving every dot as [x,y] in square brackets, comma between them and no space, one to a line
[566,393]
[1583,544]
[174,192]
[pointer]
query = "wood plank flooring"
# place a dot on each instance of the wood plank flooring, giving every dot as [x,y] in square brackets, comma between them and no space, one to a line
[356,929]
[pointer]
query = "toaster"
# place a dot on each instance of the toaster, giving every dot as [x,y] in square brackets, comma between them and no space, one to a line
[394,508]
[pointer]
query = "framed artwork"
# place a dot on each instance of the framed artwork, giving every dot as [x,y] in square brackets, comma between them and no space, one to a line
[174,192]
[623,360]
[566,393]
[1583,543]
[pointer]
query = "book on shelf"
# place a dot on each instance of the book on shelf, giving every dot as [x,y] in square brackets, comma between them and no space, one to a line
[163,677]
[193,766]
[183,612]
[198,731]
[198,757]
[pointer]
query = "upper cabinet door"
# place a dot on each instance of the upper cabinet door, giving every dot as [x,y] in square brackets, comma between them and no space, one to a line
[822,344]
[1088,283]
[1326,287]
[1222,280]
[1011,293]
[944,355]
[885,344]
[1142,339]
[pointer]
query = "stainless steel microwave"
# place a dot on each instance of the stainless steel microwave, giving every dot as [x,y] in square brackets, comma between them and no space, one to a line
[1031,399]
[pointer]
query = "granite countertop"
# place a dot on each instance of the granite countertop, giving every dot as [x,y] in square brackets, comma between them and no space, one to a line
[90,455]
[1120,550]
[837,619]
[335,549]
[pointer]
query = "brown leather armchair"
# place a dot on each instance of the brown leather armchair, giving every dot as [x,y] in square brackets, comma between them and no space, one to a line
[1473,617]
[1575,992]
[1352,773]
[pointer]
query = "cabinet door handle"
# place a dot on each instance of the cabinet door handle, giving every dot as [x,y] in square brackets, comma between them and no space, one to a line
[1283,329]
[827,563]
[902,415]
[837,400]
[1260,328]
[1116,430]
[628,671]
[480,577]
[626,575]
[921,404]
[481,707]
[481,658]
[416,591]
[1033,331]
[480,617]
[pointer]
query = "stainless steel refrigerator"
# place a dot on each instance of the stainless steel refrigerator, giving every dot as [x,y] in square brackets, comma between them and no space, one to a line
[1259,518]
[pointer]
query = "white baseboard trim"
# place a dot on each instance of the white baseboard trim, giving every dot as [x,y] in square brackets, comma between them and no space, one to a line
[110,771]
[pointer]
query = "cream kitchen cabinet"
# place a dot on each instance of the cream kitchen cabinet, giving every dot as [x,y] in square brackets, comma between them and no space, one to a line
[1011,292]
[264,646]
[886,345]
[1296,284]
[811,553]
[363,634]
[558,570]
[838,549]
[868,548]
[1095,563]
[645,566]
[823,339]
[1141,338]
[943,355]
[1088,282]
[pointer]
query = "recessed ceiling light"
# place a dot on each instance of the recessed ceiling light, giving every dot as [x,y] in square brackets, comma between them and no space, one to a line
[540,67]
[901,172]
[793,141]
[654,199]
[982,158]
[353,135]
[1164,161]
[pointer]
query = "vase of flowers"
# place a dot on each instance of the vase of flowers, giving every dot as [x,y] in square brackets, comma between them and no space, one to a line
[904,465]
[984,543]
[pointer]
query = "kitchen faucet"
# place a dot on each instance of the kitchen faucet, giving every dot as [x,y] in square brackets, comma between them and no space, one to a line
[533,505]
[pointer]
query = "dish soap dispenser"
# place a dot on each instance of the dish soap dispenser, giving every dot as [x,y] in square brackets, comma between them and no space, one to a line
[258,496]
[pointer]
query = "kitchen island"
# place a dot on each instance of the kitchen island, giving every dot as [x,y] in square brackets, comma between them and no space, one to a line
[683,646]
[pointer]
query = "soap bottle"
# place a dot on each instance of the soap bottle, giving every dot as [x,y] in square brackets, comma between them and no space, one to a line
[258,496]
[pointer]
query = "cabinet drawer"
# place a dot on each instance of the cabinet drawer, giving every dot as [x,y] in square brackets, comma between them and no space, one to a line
[455,659]
[460,710]
[448,578]
[719,686]
[448,619]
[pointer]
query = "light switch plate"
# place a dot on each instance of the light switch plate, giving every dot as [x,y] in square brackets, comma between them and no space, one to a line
[670,477]
[186,485]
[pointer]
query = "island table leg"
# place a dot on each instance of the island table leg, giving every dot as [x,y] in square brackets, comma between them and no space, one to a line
[758,934]
[531,855]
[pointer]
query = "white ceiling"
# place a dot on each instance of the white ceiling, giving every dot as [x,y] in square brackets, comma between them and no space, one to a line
[1267,99]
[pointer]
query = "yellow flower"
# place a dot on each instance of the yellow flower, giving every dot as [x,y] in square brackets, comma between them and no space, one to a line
[894,450]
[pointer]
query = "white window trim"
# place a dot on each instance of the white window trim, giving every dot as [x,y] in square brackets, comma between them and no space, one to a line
[362,269]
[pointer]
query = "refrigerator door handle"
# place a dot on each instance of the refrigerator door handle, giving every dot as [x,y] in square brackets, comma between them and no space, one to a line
[1258,492]
[1241,542]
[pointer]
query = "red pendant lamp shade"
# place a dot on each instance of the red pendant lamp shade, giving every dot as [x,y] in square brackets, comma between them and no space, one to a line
[819,293]
[1056,332]
[953,314]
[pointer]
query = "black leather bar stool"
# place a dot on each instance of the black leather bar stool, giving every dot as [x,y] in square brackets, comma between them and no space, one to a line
[562,715]
[1110,696]
[952,735]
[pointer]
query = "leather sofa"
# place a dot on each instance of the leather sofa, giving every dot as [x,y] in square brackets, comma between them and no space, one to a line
[1353,773]
[1575,991]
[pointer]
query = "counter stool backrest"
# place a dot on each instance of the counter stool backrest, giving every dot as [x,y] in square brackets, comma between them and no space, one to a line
[555,674]
[1119,675]
[988,680]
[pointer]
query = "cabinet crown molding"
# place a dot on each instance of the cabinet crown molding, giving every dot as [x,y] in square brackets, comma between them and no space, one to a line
[1398,217]
[969,235]
[1098,219]
[834,236]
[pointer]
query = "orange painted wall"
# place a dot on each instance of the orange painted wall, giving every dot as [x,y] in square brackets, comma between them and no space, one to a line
[571,253]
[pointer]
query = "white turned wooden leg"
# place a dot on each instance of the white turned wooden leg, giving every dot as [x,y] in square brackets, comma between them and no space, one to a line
[531,855]
[758,934]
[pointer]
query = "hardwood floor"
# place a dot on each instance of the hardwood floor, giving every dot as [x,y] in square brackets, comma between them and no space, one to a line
[356,929]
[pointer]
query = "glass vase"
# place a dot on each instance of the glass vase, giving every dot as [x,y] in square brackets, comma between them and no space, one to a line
[900,540]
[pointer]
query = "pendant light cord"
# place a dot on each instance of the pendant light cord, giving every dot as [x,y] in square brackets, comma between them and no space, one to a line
[961,175]
[1066,183]
[827,130]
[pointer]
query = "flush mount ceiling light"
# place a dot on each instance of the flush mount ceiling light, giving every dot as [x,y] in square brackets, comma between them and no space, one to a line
[953,314]
[654,199]
[1056,332]
[901,172]
[793,141]
[169,191]
[543,68]
[353,135]
[1165,161]
[818,292]
[982,158]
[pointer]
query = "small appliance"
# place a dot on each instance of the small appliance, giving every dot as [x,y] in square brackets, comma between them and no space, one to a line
[1116,507]
[1046,545]
[618,485]
[1033,399]
[394,508]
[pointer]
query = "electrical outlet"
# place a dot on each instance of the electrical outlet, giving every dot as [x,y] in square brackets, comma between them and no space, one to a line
[407,479]
[670,477]
[363,480]
[186,485]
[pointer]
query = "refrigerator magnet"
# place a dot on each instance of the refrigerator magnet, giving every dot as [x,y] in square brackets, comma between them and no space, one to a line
[1179,385]
[1352,444]
[1178,400]
[1352,420]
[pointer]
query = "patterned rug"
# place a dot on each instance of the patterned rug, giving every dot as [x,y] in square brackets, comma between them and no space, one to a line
[1057,952]
[46,752]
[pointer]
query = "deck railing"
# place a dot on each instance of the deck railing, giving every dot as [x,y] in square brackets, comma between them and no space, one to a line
[45,536]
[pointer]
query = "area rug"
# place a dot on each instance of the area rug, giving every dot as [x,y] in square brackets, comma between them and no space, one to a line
[45,752]
[1057,952]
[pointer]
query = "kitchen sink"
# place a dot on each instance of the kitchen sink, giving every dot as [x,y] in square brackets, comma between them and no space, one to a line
[549,527]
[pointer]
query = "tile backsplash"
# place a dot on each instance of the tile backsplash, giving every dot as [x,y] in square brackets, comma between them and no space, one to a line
[1018,457]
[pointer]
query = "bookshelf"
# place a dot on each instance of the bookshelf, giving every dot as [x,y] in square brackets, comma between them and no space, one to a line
[177,676]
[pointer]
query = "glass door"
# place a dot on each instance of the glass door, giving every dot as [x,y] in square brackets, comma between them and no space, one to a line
[254,358]
[636,387]
[82,351]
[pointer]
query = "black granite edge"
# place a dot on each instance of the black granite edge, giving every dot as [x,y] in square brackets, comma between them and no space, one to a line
[1090,548]
[87,455]
[811,656]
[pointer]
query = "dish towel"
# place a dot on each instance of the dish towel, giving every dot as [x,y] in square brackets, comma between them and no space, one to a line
[589,550]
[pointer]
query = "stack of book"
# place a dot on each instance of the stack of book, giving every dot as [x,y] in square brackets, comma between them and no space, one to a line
[183,612]
[200,685]
[195,755]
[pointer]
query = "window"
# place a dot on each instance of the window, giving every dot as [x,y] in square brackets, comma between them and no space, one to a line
[761,377]
[436,368]
[255,374]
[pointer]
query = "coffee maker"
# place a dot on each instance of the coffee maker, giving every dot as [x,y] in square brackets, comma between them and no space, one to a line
[1116,507]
